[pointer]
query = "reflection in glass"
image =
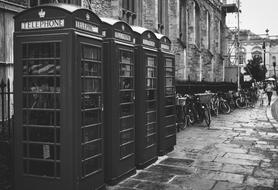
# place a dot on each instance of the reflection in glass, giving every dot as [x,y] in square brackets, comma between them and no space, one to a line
[90,52]
[151,61]
[91,133]
[151,72]
[126,123]
[169,91]
[169,82]
[150,94]
[39,117]
[126,83]
[91,117]
[90,101]
[151,117]
[151,105]
[126,150]
[169,72]
[151,129]
[126,70]
[41,84]
[91,69]
[40,67]
[169,101]
[41,134]
[126,136]
[41,168]
[126,57]
[91,85]
[126,96]
[150,140]
[42,50]
[42,151]
[151,83]
[91,149]
[126,110]
[169,63]
[91,165]
[39,100]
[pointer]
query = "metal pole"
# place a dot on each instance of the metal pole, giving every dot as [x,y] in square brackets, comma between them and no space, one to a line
[238,31]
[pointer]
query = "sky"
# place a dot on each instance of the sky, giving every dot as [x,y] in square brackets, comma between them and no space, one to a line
[257,16]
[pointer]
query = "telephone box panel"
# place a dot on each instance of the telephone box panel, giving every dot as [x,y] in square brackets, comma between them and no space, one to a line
[55,137]
[146,57]
[166,97]
[119,103]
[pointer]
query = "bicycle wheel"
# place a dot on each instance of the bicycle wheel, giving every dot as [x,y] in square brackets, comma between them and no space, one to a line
[240,103]
[207,116]
[224,107]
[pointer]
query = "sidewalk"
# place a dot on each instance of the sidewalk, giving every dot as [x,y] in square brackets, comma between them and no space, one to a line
[239,152]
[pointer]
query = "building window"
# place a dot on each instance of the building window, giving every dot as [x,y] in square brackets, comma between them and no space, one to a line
[128,11]
[197,24]
[219,36]
[162,14]
[33,3]
[183,21]
[208,30]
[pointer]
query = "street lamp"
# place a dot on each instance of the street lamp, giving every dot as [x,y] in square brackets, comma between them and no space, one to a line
[274,65]
[263,46]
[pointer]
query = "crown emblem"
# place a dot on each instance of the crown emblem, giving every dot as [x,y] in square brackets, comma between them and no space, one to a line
[149,35]
[87,16]
[41,13]
[123,27]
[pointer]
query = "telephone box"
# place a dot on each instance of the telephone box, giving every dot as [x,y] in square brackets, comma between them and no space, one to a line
[119,106]
[166,97]
[58,99]
[146,61]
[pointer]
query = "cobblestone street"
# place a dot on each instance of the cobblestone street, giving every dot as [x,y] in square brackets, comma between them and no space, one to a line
[239,152]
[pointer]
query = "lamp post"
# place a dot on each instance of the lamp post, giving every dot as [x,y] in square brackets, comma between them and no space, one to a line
[264,44]
[274,65]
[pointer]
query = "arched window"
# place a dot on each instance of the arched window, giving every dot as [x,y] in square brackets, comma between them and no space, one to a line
[162,15]
[197,23]
[129,11]
[208,23]
[183,21]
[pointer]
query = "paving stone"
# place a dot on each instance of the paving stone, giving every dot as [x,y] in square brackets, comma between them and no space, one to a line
[221,185]
[255,181]
[177,162]
[216,166]
[266,172]
[151,176]
[130,183]
[234,150]
[238,161]
[162,169]
[221,176]
[157,186]
[262,146]
[193,182]
[238,169]
[244,156]
[265,164]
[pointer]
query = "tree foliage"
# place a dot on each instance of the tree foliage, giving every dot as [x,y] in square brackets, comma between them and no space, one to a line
[256,69]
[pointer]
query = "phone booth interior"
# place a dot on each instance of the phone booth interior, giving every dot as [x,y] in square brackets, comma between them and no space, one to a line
[146,63]
[119,105]
[166,97]
[58,99]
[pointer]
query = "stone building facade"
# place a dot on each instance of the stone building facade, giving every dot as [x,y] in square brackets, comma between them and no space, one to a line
[195,27]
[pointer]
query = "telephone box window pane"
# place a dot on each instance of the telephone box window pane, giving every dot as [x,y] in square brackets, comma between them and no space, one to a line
[169,101]
[91,165]
[151,61]
[91,117]
[151,117]
[39,117]
[170,120]
[169,72]
[41,84]
[151,129]
[151,72]
[126,57]
[91,149]
[91,85]
[150,94]
[170,111]
[151,106]
[126,110]
[41,50]
[126,83]
[126,136]
[90,101]
[151,140]
[126,70]
[169,63]
[151,83]
[39,67]
[41,168]
[171,130]
[24,51]
[169,91]
[126,123]
[91,133]
[41,134]
[92,53]
[39,100]
[126,150]
[126,96]
[91,69]
[42,151]
[169,82]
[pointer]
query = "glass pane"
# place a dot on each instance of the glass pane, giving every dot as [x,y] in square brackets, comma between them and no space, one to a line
[126,110]
[40,84]
[38,117]
[170,110]
[127,149]
[151,128]
[151,72]
[90,52]
[169,72]
[126,136]
[169,63]
[151,61]
[42,151]
[90,101]
[126,96]
[91,149]
[169,82]
[91,165]
[151,83]
[151,117]
[39,67]
[91,85]
[91,69]
[126,57]
[41,168]
[150,140]
[169,91]
[41,134]
[126,83]
[91,133]
[43,50]
[170,120]
[151,106]
[39,100]
[171,130]
[126,123]
[91,117]
[150,94]
[169,101]
[126,70]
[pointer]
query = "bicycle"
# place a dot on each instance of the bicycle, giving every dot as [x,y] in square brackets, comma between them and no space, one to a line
[202,111]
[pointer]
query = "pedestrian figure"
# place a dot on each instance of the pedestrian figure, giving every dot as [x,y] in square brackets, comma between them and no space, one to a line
[261,93]
[269,91]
